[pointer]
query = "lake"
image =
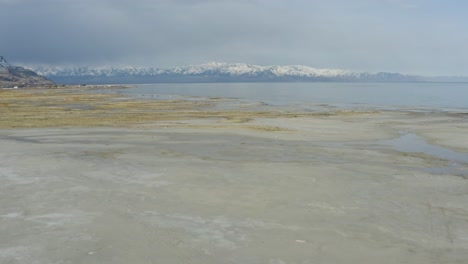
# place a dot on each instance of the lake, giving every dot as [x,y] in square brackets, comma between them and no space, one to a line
[348,95]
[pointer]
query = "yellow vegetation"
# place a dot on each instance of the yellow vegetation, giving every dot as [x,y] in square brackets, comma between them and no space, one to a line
[67,107]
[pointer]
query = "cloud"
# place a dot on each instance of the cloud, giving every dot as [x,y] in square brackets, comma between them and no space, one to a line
[404,4]
[362,35]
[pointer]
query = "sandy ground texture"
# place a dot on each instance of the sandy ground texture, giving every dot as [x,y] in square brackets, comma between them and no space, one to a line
[83,180]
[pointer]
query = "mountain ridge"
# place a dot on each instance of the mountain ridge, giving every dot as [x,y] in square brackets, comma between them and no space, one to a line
[15,76]
[215,72]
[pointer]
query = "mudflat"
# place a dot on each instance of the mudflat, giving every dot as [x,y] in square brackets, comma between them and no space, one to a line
[102,178]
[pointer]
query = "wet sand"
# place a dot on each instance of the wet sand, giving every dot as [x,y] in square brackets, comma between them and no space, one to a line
[189,181]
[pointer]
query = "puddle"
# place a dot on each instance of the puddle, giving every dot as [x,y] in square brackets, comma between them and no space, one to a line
[453,169]
[410,142]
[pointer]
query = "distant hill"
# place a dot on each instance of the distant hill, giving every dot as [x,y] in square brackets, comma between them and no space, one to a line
[11,76]
[214,72]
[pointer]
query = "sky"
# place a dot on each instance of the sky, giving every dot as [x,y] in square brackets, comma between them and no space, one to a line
[425,37]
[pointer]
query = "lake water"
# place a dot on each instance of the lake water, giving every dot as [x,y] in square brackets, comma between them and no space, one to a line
[351,95]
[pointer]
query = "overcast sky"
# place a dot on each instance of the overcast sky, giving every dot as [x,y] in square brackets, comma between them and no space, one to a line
[427,37]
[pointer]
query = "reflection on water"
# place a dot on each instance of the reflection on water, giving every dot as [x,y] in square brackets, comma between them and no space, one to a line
[409,142]
[433,95]
[412,143]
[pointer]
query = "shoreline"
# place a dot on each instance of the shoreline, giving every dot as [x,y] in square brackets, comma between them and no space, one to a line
[72,107]
[81,101]
[105,178]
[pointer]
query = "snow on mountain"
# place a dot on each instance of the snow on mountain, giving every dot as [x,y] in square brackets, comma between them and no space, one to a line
[210,72]
[95,71]
[15,76]
[4,63]
[232,69]
[235,69]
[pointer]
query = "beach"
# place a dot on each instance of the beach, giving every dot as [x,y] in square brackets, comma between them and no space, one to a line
[90,177]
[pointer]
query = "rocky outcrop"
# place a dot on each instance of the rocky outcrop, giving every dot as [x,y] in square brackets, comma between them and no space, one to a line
[14,76]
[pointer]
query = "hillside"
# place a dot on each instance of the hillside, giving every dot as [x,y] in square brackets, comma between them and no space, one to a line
[214,72]
[14,76]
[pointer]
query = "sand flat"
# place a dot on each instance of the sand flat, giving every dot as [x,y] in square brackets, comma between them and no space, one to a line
[189,183]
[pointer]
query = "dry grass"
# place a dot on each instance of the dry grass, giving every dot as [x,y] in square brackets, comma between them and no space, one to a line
[77,108]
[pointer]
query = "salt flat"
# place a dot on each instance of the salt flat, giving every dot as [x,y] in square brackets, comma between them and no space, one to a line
[198,186]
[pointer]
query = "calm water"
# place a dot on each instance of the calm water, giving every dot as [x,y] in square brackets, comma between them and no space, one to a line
[428,95]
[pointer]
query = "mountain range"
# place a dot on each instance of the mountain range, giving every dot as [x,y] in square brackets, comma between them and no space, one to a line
[210,72]
[15,76]
[213,72]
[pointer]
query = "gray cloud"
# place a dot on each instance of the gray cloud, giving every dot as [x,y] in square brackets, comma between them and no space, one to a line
[410,36]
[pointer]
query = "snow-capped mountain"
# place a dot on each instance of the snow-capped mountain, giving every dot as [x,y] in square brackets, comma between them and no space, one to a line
[4,63]
[14,76]
[212,72]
